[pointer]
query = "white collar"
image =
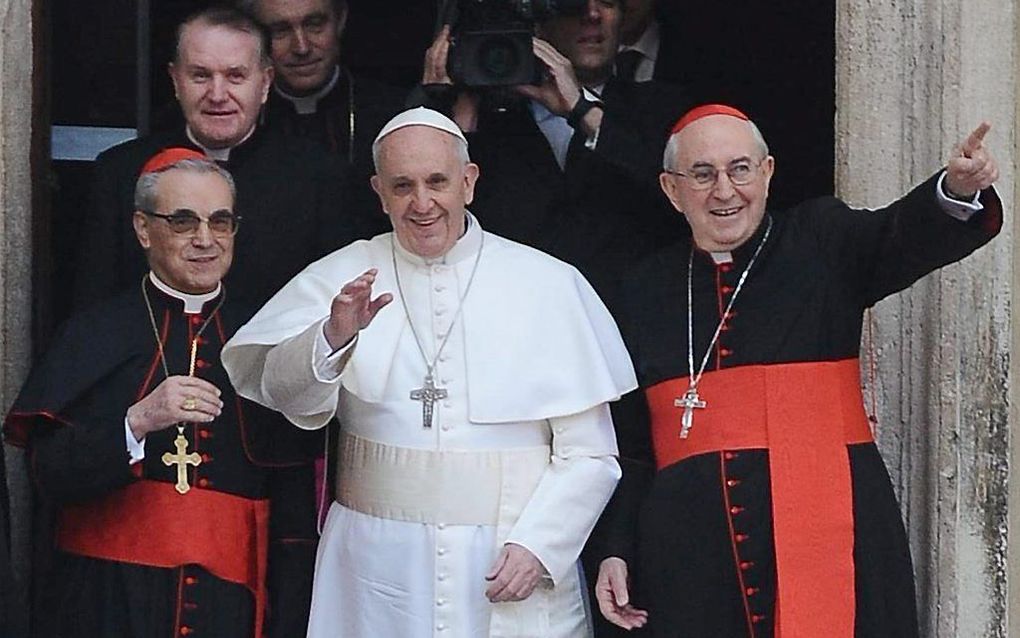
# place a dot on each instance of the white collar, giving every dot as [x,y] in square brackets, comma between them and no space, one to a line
[192,303]
[466,246]
[648,44]
[308,104]
[217,154]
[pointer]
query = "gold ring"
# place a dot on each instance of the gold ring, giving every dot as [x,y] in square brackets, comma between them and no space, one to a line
[189,404]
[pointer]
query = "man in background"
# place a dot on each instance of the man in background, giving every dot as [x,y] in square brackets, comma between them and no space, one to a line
[290,190]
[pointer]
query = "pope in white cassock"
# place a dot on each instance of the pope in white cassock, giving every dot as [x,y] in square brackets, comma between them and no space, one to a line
[476,448]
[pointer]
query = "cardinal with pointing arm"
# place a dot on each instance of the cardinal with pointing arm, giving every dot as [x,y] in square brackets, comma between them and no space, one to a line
[754,500]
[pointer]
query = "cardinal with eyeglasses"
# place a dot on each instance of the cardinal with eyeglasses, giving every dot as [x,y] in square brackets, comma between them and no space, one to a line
[180,508]
[754,500]
[471,376]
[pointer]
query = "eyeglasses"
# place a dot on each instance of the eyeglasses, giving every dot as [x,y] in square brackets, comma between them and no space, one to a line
[741,172]
[184,221]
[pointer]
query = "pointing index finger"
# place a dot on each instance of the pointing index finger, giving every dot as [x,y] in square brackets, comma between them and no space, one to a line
[974,140]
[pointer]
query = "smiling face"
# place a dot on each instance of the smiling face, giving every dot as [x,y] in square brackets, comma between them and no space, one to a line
[589,40]
[220,82]
[191,263]
[725,215]
[424,185]
[305,36]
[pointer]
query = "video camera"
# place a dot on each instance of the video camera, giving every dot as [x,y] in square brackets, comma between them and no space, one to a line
[491,39]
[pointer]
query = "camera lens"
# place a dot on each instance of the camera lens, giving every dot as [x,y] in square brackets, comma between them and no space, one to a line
[498,57]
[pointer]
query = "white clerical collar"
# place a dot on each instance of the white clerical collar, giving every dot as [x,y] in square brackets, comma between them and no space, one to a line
[648,44]
[308,104]
[192,303]
[217,154]
[722,257]
[466,246]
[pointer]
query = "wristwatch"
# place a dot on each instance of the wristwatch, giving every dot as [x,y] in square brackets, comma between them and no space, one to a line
[581,108]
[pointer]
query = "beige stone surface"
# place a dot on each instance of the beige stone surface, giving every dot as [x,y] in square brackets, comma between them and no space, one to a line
[912,79]
[15,237]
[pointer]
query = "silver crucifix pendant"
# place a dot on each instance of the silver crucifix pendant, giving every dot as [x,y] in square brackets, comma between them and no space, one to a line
[428,394]
[688,402]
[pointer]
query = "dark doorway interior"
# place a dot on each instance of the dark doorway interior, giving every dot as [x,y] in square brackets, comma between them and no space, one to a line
[108,82]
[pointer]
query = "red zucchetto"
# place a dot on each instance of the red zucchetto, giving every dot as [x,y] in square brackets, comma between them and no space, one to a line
[705,110]
[168,157]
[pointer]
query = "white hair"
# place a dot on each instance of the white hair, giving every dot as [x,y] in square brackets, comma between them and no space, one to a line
[673,146]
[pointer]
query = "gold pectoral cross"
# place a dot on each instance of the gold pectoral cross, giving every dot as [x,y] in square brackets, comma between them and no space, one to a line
[182,460]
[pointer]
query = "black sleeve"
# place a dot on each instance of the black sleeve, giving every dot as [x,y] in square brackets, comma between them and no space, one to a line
[86,460]
[880,252]
[292,544]
[616,531]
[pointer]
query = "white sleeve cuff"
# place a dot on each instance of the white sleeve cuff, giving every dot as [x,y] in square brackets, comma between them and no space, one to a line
[135,447]
[953,207]
[593,140]
[327,363]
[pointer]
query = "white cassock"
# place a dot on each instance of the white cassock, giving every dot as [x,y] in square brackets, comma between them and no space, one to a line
[521,450]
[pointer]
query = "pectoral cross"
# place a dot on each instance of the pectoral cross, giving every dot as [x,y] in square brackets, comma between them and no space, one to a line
[428,394]
[689,401]
[182,460]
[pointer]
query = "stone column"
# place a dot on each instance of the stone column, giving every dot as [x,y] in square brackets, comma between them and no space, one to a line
[914,77]
[16,113]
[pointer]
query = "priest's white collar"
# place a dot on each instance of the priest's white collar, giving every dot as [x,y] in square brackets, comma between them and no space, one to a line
[192,303]
[725,257]
[308,104]
[466,247]
[217,154]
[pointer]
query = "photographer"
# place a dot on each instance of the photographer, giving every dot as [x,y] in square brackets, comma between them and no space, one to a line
[572,161]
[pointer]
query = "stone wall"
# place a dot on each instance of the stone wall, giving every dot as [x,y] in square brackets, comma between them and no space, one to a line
[15,238]
[914,77]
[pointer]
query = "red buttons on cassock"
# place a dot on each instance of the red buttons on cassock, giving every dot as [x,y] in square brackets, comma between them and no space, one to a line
[190,580]
[206,458]
[736,510]
[725,352]
[729,456]
[724,289]
[196,319]
[746,565]
[185,630]
[757,618]
[190,606]
[751,591]
[726,267]
[732,483]
[204,482]
[205,434]
[201,364]
[741,537]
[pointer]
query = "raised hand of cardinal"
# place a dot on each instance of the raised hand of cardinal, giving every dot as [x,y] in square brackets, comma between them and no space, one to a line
[971,167]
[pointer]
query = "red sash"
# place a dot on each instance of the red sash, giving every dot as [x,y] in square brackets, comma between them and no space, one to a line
[149,523]
[805,415]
